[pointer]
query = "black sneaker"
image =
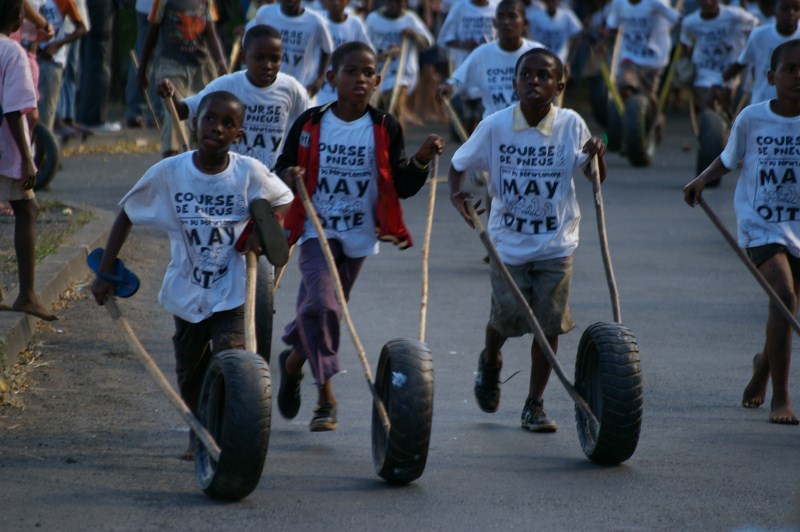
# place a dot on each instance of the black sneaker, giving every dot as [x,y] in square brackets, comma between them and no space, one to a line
[534,417]
[324,418]
[487,385]
[289,391]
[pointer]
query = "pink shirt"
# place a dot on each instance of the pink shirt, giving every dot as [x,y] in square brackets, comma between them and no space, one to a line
[17,93]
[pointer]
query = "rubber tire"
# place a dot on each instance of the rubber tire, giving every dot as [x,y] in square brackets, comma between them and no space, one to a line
[613,127]
[608,376]
[404,382]
[712,138]
[236,408]
[598,98]
[638,130]
[45,155]
[265,310]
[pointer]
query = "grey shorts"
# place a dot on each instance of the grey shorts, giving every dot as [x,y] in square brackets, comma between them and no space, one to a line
[545,285]
[11,190]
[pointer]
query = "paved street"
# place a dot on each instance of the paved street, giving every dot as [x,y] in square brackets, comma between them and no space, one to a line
[97,447]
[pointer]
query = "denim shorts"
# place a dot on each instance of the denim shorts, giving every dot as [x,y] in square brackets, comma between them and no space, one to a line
[545,285]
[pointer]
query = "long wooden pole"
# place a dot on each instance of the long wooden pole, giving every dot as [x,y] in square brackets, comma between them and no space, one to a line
[426,246]
[340,297]
[176,123]
[601,231]
[538,332]
[135,62]
[773,296]
[401,65]
[144,357]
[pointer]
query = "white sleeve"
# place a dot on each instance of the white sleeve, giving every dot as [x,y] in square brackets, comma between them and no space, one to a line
[300,102]
[361,32]
[574,25]
[613,15]
[734,150]
[324,40]
[664,9]
[475,154]
[687,34]
[265,184]
[449,30]
[749,52]
[419,27]
[148,202]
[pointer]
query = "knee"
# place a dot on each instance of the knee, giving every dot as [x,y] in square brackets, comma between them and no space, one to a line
[25,209]
[788,297]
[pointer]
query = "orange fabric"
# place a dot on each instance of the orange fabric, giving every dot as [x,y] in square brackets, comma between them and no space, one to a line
[68,9]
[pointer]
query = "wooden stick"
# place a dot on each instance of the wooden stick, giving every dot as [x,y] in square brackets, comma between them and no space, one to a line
[616,97]
[340,297]
[693,113]
[144,357]
[773,296]
[401,65]
[176,123]
[461,131]
[601,231]
[373,100]
[250,343]
[538,332]
[423,309]
[135,62]
[665,88]
[280,273]
[236,51]
[612,74]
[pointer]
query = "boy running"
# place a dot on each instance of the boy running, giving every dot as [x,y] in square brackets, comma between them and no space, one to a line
[201,199]
[531,150]
[272,99]
[766,202]
[356,172]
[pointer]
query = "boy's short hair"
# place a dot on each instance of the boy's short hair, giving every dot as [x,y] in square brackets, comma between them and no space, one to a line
[559,66]
[519,5]
[260,30]
[780,51]
[9,10]
[221,96]
[349,47]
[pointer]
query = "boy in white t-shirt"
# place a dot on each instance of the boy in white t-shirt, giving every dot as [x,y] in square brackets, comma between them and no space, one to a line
[713,36]
[356,173]
[646,42]
[764,141]
[556,27]
[202,200]
[343,27]
[759,46]
[307,45]
[386,29]
[490,67]
[272,99]
[17,169]
[531,151]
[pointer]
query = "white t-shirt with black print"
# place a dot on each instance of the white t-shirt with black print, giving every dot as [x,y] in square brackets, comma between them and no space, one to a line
[384,32]
[467,22]
[554,32]
[757,53]
[645,26]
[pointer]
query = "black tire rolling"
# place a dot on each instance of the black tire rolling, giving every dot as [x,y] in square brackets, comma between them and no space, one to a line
[608,376]
[638,133]
[45,155]
[404,381]
[265,312]
[713,134]
[236,408]
[613,127]
[598,98]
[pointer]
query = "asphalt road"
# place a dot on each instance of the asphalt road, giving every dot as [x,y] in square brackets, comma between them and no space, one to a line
[96,448]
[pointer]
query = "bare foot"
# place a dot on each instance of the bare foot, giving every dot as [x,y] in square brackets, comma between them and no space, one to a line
[783,415]
[31,306]
[756,389]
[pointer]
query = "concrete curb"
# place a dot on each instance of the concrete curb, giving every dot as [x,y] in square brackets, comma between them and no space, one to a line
[54,275]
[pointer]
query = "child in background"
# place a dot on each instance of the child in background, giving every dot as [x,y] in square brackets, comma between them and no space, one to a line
[713,36]
[490,67]
[307,44]
[556,27]
[272,99]
[357,197]
[17,170]
[533,221]
[468,25]
[387,28]
[52,55]
[766,216]
[759,46]
[187,41]
[343,27]
[204,285]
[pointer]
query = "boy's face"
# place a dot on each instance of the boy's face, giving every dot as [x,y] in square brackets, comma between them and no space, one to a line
[290,6]
[335,7]
[787,13]
[535,82]
[356,78]
[786,76]
[263,60]
[393,8]
[218,126]
[708,8]
[510,22]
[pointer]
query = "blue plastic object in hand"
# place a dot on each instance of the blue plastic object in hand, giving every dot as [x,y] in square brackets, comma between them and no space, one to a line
[125,281]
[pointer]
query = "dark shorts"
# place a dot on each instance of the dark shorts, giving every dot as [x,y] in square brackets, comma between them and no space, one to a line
[545,285]
[196,343]
[761,254]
